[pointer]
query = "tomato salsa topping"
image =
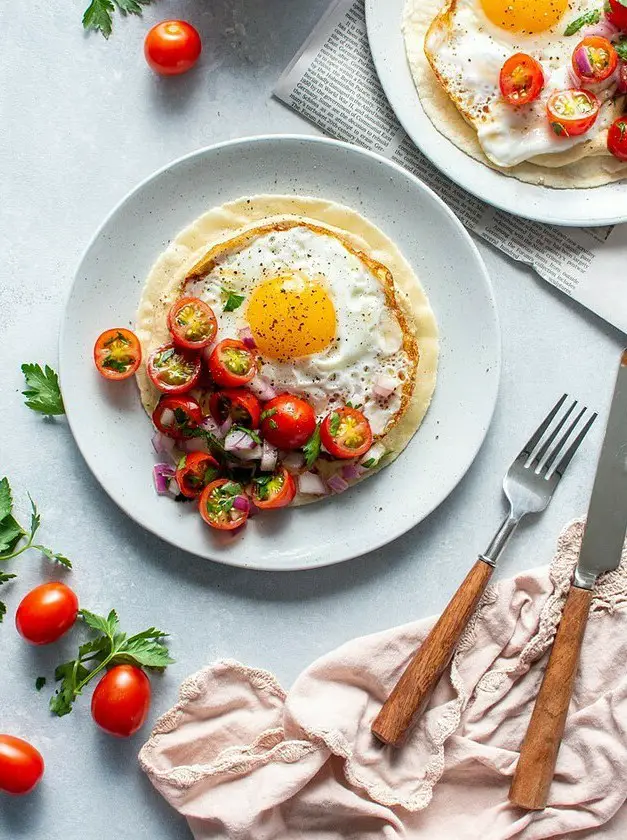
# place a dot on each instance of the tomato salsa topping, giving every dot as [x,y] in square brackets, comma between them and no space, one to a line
[192,323]
[194,472]
[232,363]
[117,353]
[521,79]
[273,491]
[173,371]
[223,504]
[572,112]
[346,433]
[175,416]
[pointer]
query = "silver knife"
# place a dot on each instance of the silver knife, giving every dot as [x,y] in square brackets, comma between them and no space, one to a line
[601,550]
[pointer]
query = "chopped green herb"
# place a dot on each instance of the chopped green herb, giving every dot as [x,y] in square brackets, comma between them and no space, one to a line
[273,424]
[232,300]
[588,18]
[42,390]
[3,579]
[268,485]
[269,412]
[334,423]
[40,683]
[311,449]
[114,364]
[559,129]
[181,462]
[252,434]
[99,14]
[621,49]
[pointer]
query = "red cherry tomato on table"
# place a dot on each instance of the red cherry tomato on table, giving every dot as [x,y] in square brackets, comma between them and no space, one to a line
[121,700]
[173,416]
[172,47]
[192,323]
[231,363]
[346,433]
[46,613]
[572,112]
[616,13]
[117,353]
[173,371]
[21,765]
[287,422]
[617,138]
[521,79]
[241,406]
[273,491]
[194,472]
[223,504]
[594,59]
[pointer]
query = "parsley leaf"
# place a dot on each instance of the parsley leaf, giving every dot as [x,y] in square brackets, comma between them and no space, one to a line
[99,14]
[621,49]
[11,532]
[252,434]
[40,683]
[311,449]
[233,301]
[3,579]
[110,647]
[6,500]
[42,390]
[587,19]
[53,557]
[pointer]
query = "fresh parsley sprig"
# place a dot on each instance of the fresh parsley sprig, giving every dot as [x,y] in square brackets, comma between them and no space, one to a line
[99,14]
[587,19]
[12,534]
[109,647]
[3,579]
[42,390]
[232,300]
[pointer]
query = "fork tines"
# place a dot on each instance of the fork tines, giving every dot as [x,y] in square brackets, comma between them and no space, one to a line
[542,450]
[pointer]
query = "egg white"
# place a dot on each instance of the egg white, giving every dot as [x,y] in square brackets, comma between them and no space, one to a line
[368,340]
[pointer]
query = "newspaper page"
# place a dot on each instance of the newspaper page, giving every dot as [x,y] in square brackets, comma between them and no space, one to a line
[332,82]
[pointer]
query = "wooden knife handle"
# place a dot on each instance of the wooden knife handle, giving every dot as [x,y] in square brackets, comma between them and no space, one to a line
[413,689]
[538,754]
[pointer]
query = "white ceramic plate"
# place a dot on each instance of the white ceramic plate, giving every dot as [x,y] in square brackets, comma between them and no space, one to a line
[113,432]
[590,207]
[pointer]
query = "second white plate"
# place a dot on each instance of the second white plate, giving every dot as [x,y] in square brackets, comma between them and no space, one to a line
[113,432]
[589,207]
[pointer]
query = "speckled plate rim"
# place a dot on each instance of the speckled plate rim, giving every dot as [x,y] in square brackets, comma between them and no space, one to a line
[592,207]
[75,359]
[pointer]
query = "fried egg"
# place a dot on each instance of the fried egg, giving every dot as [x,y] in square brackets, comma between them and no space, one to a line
[468,43]
[324,317]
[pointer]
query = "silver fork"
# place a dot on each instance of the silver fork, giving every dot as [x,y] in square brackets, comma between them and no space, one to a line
[529,486]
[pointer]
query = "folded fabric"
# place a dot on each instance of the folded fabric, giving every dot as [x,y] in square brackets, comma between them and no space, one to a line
[240,758]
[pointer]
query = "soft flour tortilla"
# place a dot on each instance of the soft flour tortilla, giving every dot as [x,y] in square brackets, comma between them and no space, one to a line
[585,165]
[163,286]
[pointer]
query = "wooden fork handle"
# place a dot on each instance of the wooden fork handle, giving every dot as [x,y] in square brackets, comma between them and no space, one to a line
[538,754]
[413,689]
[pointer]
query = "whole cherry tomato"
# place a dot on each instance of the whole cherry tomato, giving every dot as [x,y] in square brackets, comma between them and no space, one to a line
[287,422]
[21,765]
[172,47]
[121,700]
[46,613]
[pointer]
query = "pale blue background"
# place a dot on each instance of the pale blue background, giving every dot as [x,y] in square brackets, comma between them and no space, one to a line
[83,120]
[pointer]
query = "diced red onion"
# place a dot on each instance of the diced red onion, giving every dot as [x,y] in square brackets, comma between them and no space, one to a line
[241,503]
[210,425]
[312,484]
[582,60]
[337,483]
[162,444]
[293,461]
[375,453]
[235,441]
[246,336]
[352,471]
[269,455]
[262,389]
[224,428]
[194,445]
[384,386]
[161,474]
[167,418]
[173,488]
[622,78]
[253,454]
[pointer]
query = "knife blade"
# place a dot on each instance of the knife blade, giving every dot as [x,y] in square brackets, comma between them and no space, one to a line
[606,524]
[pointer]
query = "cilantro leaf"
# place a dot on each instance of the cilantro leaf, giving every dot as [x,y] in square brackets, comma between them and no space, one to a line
[311,449]
[40,683]
[587,19]
[42,390]
[252,434]
[53,557]
[621,49]
[6,500]
[233,300]
[108,626]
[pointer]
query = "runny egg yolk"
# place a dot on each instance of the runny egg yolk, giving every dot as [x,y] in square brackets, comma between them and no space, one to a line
[291,316]
[524,15]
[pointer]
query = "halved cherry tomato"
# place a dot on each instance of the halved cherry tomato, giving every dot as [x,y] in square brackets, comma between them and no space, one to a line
[117,353]
[273,491]
[232,363]
[172,47]
[287,422]
[21,765]
[194,472]
[46,613]
[241,406]
[594,59]
[572,112]
[173,371]
[173,416]
[223,504]
[346,433]
[192,323]
[616,13]
[121,700]
[521,79]
[617,138]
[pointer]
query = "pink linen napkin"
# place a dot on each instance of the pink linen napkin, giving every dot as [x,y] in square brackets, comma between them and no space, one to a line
[240,758]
